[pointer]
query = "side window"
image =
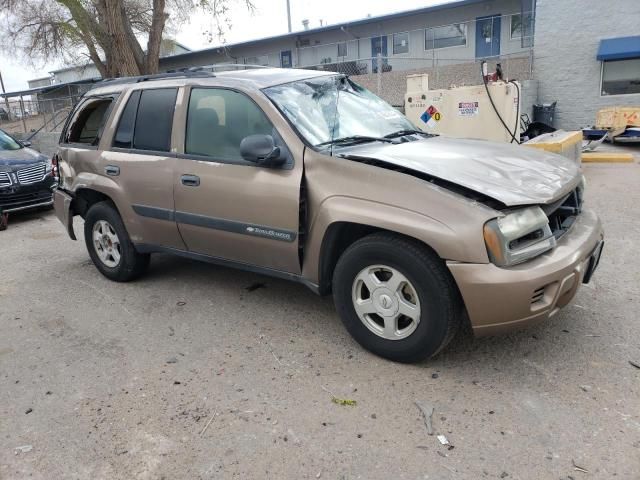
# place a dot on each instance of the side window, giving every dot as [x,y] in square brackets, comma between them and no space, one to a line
[154,119]
[219,119]
[124,133]
[146,121]
[88,122]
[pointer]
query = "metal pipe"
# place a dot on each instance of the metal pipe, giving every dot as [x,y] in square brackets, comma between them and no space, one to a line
[43,110]
[24,123]
[289,15]
[379,73]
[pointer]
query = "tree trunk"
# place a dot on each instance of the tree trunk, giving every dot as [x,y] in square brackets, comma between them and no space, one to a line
[136,49]
[155,36]
[111,32]
[121,48]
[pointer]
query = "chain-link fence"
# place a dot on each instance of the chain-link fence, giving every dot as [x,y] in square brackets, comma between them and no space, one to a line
[28,115]
[44,111]
[450,54]
[387,76]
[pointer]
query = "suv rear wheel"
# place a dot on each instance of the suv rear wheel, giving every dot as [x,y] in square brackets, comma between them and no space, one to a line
[396,297]
[109,245]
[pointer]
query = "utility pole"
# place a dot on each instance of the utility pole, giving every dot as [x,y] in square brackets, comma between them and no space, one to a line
[289,15]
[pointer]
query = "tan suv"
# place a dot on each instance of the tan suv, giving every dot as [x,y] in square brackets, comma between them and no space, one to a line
[305,175]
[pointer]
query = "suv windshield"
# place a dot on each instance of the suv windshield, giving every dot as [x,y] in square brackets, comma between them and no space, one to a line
[8,143]
[333,109]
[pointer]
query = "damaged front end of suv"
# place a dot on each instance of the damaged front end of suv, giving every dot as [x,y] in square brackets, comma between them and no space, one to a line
[507,221]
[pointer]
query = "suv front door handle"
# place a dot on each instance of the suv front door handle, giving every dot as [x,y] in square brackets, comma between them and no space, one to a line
[190,180]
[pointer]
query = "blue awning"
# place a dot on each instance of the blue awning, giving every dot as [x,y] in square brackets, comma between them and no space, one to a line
[619,48]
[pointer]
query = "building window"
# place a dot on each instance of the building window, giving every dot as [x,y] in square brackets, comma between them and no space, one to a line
[342,49]
[447,36]
[251,60]
[521,26]
[400,43]
[621,77]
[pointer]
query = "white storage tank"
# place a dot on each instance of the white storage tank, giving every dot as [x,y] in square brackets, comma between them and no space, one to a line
[464,112]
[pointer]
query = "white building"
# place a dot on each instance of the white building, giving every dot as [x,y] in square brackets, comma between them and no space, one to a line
[574,53]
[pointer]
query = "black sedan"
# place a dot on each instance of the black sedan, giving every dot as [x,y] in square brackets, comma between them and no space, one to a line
[27,178]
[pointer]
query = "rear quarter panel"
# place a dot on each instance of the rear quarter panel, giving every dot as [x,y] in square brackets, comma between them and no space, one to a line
[144,179]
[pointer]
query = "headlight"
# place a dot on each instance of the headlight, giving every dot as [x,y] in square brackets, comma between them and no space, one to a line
[518,236]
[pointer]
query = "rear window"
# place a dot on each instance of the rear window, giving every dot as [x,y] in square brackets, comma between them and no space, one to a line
[146,121]
[87,123]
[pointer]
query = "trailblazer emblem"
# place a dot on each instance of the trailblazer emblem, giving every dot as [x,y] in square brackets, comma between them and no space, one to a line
[270,233]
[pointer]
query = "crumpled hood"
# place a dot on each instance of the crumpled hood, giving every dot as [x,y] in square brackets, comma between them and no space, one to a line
[511,174]
[19,158]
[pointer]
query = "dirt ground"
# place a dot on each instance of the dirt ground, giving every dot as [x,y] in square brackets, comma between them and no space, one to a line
[198,371]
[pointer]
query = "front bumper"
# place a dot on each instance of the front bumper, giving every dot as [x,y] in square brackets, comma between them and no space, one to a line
[25,197]
[500,299]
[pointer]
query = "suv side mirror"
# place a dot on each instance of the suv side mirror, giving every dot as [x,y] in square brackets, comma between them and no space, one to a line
[261,149]
[25,144]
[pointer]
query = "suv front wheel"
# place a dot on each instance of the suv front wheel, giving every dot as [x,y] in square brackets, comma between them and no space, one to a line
[109,245]
[396,297]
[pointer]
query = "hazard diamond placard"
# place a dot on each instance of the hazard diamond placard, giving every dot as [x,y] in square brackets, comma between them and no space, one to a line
[430,116]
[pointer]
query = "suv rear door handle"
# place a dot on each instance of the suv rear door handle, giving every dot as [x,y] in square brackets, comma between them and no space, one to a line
[190,180]
[112,170]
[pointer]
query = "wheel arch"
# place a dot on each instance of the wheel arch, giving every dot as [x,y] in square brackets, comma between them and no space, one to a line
[90,189]
[339,236]
[340,221]
[86,197]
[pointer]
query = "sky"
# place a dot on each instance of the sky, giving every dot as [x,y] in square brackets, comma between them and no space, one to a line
[268,19]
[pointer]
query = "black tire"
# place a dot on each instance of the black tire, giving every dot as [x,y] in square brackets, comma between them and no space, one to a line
[132,264]
[441,306]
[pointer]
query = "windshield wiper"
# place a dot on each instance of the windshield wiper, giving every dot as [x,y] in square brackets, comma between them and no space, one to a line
[401,133]
[356,139]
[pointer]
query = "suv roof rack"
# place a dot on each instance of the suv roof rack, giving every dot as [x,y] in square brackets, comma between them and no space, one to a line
[220,66]
[187,72]
[191,72]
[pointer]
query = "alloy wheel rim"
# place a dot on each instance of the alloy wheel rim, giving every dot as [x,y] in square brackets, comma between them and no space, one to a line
[386,302]
[106,243]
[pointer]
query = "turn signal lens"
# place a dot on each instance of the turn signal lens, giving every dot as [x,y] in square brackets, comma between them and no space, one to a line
[494,245]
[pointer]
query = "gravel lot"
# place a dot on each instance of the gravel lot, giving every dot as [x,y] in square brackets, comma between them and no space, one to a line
[197,371]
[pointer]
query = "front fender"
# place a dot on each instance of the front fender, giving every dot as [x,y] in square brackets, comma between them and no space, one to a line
[446,242]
